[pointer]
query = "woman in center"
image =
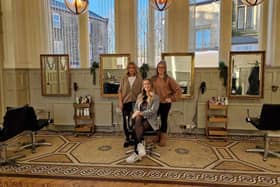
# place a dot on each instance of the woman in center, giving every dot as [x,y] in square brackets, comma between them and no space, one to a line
[145,118]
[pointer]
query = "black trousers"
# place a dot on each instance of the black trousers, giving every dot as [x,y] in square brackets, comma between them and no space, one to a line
[127,112]
[163,113]
[140,125]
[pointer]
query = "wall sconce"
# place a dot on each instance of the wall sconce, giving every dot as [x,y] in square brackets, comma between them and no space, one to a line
[160,5]
[252,2]
[76,6]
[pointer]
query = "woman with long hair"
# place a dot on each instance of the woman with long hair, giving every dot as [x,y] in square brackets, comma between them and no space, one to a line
[145,118]
[168,90]
[130,87]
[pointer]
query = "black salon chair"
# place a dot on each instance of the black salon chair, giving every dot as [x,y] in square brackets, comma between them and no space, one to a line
[151,137]
[35,125]
[268,122]
[15,121]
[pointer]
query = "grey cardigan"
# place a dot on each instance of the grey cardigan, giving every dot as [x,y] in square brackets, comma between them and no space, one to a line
[151,112]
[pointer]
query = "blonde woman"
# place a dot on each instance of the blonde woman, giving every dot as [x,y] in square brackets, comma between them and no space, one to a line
[145,118]
[130,87]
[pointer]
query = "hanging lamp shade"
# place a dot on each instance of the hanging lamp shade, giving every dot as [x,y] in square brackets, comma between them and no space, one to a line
[252,2]
[160,5]
[76,6]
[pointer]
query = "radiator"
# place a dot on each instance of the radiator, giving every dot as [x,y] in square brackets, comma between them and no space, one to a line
[103,113]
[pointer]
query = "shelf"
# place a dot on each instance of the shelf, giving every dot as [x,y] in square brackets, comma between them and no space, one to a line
[84,118]
[217,131]
[83,128]
[217,107]
[216,113]
[214,119]
[87,105]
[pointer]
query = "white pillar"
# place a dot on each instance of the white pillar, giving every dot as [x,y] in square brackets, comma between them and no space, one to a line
[125,24]
[263,25]
[225,30]
[84,40]
[178,26]
[273,45]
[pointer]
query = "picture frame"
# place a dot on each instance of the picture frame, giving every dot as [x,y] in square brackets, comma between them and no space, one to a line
[55,75]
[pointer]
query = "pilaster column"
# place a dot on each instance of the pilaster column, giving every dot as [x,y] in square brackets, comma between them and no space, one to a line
[84,40]
[178,26]
[125,27]
[263,25]
[225,30]
[21,49]
[273,45]
[1,65]
[151,38]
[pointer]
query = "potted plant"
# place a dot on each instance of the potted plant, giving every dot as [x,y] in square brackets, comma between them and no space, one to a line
[223,72]
[144,70]
[93,67]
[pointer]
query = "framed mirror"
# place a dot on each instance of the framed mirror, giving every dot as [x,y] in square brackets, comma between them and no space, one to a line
[180,66]
[112,68]
[55,75]
[246,74]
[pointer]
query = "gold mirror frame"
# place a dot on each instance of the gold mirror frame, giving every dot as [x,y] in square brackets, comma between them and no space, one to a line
[55,75]
[246,74]
[112,69]
[180,66]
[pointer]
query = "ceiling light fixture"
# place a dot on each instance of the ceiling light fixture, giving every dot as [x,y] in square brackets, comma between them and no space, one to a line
[160,5]
[77,6]
[252,2]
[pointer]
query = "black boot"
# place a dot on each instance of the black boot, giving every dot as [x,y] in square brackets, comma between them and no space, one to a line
[126,143]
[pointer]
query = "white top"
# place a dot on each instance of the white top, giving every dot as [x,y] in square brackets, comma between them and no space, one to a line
[131,80]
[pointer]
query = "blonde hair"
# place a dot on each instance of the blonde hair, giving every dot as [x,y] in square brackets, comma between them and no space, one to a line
[131,64]
[149,95]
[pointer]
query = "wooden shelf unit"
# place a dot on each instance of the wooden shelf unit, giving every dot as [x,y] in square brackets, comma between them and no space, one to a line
[84,118]
[216,114]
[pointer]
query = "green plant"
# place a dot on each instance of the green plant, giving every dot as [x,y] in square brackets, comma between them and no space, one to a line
[223,72]
[144,70]
[93,67]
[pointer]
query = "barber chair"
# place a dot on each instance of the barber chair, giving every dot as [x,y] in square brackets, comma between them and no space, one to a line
[268,122]
[151,137]
[35,125]
[15,122]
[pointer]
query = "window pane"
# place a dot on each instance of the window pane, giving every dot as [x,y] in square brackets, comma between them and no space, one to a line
[142,31]
[64,32]
[56,20]
[102,28]
[244,27]
[150,33]
[159,29]
[241,18]
[250,18]
[204,31]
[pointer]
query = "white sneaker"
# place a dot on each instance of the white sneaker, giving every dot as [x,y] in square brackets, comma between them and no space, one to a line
[141,149]
[133,158]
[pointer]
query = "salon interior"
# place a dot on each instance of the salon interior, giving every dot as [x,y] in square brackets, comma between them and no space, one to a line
[66,62]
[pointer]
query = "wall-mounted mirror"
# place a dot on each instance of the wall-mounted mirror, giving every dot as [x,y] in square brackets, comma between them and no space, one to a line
[246,74]
[180,66]
[55,75]
[112,68]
